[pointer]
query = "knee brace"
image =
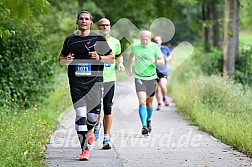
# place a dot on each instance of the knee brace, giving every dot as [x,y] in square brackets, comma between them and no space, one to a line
[80,120]
[92,118]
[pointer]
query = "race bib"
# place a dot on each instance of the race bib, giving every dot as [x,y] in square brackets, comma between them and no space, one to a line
[106,66]
[83,70]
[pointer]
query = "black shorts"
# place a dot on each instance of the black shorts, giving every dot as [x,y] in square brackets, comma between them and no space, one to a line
[87,95]
[148,86]
[161,75]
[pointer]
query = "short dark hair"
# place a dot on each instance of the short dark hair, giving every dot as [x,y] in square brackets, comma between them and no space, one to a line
[84,11]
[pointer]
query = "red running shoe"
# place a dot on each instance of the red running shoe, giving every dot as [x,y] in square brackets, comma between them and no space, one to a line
[159,107]
[84,156]
[166,102]
[91,138]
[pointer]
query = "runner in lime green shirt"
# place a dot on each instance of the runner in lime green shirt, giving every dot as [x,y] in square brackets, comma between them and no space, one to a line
[109,69]
[109,78]
[144,57]
[144,68]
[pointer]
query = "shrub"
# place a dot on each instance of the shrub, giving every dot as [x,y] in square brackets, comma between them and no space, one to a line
[24,68]
[243,73]
[209,62]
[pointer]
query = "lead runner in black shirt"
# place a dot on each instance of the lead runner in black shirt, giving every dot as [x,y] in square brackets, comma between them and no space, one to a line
[85,53]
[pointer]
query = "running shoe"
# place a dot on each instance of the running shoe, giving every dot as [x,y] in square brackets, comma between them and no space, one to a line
[91,138]
[84,156]
[106,143]
[97,131]
[149,126]
[145,130]
[166,102]
[159,106]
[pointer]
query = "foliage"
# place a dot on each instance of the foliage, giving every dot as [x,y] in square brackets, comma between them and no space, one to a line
[245,14]
[25,65]
[209,62]
[141,13]
[24,68]
[243,73]
[15,14]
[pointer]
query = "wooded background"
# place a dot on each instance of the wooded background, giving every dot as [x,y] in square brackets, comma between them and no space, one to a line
[32,33]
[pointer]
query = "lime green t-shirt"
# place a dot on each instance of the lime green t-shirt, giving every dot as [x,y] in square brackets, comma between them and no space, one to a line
[143,67]
[109,69]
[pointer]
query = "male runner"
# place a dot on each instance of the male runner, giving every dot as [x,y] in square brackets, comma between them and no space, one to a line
[109,78]
[144,57]
[85,52]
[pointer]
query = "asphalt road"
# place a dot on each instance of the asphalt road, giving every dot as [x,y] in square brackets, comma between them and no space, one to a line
[172,143]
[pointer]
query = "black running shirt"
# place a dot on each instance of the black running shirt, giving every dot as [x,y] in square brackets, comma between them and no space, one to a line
[83,69]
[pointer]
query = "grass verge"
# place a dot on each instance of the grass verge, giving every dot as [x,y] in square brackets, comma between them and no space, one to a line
[24,134]
[216,105]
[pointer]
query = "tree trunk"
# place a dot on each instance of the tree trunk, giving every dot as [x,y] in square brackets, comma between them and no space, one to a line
[230,36]
[206,17]
[216,26]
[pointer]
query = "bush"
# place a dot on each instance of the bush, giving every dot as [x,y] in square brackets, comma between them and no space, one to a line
[212,63]
[243,73]
[24,68]
[209,62]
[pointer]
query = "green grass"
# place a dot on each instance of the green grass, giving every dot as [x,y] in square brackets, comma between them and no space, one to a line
[216,104]
[245,37]
[24,134]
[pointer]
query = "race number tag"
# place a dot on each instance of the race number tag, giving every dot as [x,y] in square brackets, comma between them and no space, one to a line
[83,70]
[106,66]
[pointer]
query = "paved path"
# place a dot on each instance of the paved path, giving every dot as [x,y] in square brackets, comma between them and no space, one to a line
[172,143]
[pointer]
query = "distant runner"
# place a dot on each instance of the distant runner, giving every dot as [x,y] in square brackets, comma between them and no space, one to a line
[162,73]
[144,57]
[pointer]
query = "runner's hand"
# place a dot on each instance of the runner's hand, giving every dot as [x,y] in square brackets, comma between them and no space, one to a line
[66,60]
[94,55]
[130,72]
[152,60]
[70,58]
[121,67]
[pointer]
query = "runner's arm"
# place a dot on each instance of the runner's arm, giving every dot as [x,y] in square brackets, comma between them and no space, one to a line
[120,65]
[169,57]
[108,58]
[160,61]
[65,60]
[131,62]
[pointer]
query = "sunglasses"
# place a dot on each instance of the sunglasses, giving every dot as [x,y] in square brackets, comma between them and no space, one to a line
[104,25]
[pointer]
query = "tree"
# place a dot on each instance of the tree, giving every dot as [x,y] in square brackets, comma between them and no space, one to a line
[216,25]
[206,19]
[231,35]
[16,14]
